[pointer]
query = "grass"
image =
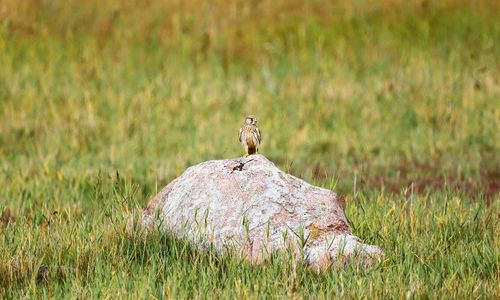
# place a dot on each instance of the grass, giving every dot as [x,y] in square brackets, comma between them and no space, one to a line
[394,105]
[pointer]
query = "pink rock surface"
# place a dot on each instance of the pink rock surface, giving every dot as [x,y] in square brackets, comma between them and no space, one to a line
[252,207]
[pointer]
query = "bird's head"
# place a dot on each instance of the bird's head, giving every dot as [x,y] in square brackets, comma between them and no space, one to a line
[251,119]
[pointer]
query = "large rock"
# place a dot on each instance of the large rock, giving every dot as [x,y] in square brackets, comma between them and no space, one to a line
[250,206]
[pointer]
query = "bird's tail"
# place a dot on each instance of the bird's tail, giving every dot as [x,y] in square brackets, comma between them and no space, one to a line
[251,149]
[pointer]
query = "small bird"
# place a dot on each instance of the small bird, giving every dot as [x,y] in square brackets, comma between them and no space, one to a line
[250,135]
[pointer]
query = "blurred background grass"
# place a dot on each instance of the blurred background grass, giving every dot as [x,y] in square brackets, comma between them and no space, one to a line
[378,98]
[339,87]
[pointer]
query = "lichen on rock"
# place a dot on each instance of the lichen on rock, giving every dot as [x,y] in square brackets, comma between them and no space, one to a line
[251,206]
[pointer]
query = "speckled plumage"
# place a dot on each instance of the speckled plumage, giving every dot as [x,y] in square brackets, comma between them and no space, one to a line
[250,136]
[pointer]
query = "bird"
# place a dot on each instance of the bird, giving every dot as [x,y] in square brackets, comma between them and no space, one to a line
[250,136]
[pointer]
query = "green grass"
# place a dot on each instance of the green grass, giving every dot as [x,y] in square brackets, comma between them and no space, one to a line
[396,106]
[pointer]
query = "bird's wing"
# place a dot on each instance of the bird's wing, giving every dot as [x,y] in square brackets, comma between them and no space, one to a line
[239,134]
[259,136]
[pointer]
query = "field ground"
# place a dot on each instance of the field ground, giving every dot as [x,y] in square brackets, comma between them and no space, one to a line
[394,105]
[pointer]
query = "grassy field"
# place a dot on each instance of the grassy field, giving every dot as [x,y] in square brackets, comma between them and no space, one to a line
[395,105]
